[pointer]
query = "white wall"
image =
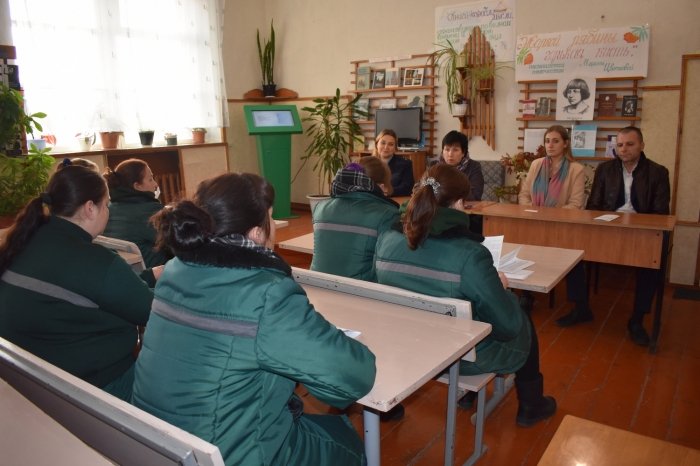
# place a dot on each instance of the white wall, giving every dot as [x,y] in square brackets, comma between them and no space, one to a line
[317,39]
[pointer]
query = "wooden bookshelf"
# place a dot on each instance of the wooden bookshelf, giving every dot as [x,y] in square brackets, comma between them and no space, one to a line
[402,94]
[606,125]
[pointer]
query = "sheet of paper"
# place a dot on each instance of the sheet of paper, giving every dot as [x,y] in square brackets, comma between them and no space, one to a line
[515,265]
[494,244]
[508,258]
[607,217]
[351,333]
[519,275]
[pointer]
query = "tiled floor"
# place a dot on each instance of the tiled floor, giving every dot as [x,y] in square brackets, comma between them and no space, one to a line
[593,370]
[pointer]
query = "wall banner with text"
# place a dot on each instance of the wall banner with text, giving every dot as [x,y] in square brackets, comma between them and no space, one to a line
[495,18]
[603,53]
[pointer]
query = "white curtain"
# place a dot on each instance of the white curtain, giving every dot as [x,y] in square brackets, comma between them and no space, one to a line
[126,65]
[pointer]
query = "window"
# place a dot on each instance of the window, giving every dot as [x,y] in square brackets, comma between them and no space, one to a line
[124,65]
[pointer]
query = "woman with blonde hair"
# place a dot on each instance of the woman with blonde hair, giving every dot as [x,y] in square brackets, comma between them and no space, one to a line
[385,145]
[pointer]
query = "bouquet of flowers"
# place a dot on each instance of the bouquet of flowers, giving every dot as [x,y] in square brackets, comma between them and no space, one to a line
[520,162]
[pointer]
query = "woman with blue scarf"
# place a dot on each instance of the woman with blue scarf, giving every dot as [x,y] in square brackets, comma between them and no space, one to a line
[557,181]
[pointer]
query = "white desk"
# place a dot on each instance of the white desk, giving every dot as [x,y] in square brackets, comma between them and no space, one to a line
[30,436]
[411,347]
[551,264]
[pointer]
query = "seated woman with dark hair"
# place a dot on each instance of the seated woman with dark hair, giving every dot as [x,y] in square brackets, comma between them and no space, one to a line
[134,199]
[435,253]
[232,333]
[346,226]
[71,302]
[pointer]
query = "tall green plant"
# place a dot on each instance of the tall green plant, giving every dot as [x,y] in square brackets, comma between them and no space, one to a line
[266,54]
[332,131]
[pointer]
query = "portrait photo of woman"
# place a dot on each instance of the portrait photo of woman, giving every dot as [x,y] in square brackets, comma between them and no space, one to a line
[576,103]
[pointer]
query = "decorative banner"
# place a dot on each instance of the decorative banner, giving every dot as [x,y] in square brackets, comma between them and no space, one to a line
[496,19]
[602,53]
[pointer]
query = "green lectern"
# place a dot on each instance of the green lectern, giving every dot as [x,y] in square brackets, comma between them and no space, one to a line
[272,126]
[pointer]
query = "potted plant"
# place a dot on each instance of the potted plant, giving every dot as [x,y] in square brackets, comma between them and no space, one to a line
[14,121]
[198,135]
[266,54]
[146,137]
[449,61]
[518,165]
[332,132]
[21,177]
[170,139]
[459,105]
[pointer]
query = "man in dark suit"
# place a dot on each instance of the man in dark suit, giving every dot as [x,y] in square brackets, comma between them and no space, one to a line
[633,183]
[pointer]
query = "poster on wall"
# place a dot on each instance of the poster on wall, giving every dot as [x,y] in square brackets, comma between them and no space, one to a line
[604,53]
[575,97]
[495,18]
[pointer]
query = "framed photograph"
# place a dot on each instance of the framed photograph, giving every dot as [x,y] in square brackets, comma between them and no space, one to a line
[412,77]
[361,110]
[393,77]
[378,78]
[575,97]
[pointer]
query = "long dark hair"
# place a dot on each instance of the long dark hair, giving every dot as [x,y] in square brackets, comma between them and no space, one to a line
[440,186]
[127,173]
[67,190]
[224,205]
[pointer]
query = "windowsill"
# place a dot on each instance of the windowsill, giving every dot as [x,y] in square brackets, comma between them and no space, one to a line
[132,149]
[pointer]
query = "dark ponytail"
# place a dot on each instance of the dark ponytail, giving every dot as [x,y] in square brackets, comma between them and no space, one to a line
[67,190]
[440,186]
[224,205]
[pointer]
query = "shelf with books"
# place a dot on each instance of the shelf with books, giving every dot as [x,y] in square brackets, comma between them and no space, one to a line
[609,98]
[407,81]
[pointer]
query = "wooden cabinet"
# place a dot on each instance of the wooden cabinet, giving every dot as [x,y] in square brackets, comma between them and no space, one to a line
[401,95]
[606,125]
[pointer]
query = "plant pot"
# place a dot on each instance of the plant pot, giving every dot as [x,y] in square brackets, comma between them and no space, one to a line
[198,137]
[315,199]
[146,138]
[459,109]
[461,61]
[269,90]
[171,140]
[110,139]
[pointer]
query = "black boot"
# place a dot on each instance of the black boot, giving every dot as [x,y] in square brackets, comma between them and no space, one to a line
[527,301]
[637,332]
[533,406]
[577,315]
[467,401]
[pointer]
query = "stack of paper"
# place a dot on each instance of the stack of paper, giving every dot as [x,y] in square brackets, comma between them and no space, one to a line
[512,266]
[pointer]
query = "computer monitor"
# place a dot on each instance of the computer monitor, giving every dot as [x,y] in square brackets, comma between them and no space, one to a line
[407,123]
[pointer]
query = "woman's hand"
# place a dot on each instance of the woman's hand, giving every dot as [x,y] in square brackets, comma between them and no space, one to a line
[504,279]
[157,270]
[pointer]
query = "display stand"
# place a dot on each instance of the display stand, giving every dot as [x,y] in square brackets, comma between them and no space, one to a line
[272,126]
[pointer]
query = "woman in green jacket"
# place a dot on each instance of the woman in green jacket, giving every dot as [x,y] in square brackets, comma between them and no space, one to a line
[436,254]
[346,226]
[232,333]
[134,199]
[71,302]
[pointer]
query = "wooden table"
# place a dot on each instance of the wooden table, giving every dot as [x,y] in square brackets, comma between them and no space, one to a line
[582,442]
[551,264]
[638,240]
[411,347]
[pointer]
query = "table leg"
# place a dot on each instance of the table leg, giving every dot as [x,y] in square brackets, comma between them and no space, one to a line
[371,424]
[656,329]
[451,414]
